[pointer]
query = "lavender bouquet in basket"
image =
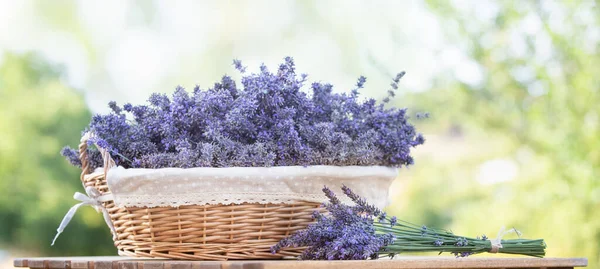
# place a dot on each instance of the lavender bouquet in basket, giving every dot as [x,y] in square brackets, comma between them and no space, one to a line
[363,231]
[270,121]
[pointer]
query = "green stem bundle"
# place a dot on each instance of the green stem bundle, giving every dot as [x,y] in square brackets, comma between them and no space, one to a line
[412,238]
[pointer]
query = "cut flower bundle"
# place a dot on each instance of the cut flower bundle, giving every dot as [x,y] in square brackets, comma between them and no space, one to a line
[363,231]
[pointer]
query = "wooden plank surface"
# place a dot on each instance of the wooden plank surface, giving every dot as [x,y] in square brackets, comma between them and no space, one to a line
[401,262]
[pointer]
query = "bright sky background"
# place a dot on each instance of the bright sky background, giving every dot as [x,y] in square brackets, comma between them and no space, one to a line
[123,50]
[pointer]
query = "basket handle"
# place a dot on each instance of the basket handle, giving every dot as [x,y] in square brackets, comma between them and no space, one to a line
[83,156]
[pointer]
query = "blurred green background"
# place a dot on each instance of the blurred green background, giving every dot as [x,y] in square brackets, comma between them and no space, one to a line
[512,87]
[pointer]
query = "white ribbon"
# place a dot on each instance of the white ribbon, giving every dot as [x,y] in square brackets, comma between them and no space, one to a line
[94,199]
[497,243]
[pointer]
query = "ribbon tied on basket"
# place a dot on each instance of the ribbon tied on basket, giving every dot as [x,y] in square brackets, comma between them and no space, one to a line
[94,199]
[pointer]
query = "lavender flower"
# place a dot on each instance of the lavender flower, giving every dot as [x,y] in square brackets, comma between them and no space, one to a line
[331,195]
[362,204]
[342,235]
[399,76]
[71,155]
[268,120]
[127,107]
[424,115]
[461,242]
[462,254]
[101,143]
[361,82]
[114,107]
[359,85]
[382,217]
[350,233]
[238,66]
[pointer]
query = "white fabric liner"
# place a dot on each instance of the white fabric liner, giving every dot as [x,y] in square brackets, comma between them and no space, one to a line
[235,185]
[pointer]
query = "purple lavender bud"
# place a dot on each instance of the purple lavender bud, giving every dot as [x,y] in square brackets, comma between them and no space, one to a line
[332,198]
[462,242]
[316,215]
[382,217]
[361,82]
[393,221]
[424,115]
[399,76]
[438,243]
[127,107]
[462,254]
[114,107]
[264,69]
[71,155]
[238,65]
[101,143]
[289,61]
[361,204]
[419,140]
[160,101]
[391,94]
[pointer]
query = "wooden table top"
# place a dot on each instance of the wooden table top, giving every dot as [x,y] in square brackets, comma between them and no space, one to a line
[113,262]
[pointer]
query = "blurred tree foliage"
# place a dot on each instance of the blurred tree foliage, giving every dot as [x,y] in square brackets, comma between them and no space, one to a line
[537,103]
[40,114]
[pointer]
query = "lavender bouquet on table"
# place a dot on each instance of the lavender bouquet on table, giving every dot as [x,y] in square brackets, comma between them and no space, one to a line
[363,231]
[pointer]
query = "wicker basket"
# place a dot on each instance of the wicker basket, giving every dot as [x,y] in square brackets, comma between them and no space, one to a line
[201,232]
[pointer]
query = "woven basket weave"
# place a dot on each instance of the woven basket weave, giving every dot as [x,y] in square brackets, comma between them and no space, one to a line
[201,232]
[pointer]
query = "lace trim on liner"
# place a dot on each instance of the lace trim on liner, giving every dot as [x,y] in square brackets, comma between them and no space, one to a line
[220,198]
